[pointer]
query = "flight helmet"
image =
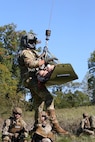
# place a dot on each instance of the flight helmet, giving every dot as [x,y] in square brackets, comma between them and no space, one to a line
[29,41]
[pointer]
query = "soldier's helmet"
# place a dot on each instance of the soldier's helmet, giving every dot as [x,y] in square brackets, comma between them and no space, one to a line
[17,110]
[29,41]
[85,114]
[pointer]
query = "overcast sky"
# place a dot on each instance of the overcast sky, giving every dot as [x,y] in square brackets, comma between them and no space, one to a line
[72,25]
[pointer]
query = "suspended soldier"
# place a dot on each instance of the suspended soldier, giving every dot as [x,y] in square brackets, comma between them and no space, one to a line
[29,63]
[14,128]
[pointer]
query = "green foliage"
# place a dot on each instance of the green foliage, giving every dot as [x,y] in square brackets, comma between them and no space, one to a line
[91,78]
[70,99]
[7,84]
[91,60]
[84,138]
[9,71]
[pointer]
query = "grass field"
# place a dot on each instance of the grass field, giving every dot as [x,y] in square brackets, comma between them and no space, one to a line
[69,119]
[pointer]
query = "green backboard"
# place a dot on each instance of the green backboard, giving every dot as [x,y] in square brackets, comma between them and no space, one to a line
[62,73]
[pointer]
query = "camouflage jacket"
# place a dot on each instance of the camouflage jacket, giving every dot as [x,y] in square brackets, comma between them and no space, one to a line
[28,60]
[14,126]
[85,123]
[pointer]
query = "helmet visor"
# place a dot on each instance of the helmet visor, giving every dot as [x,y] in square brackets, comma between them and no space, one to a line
[31,41]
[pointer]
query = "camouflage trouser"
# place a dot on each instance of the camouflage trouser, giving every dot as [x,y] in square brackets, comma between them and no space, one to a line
[38,138]
[12,139]
[85,131]
[88,131]
[41,96]
[6,139]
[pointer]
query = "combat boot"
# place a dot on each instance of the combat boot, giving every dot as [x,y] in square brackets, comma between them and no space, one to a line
[55,123]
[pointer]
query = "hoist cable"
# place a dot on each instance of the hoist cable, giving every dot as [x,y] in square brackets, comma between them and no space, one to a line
[51,11]
[48,32]
[49,23]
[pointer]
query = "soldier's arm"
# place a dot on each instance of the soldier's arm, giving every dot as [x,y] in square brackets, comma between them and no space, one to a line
[82,124]
[30,60]
[25,126]
[25,130]
[5,129]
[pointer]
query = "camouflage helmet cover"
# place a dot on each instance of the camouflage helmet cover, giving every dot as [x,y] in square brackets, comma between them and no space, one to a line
[17,110]
[85,114]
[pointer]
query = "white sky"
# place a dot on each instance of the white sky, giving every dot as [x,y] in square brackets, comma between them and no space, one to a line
[72,25]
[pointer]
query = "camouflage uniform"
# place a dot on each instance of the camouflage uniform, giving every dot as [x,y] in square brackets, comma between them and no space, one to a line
[29,63]
[85,126]
[14,129]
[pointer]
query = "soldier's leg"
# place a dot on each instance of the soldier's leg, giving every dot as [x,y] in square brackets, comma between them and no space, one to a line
[36,89]
[53,118]
[39,107]
[40,94]
[51,112]
[37,138]
[21,139]
[44,95]
[89,132]
[6,139]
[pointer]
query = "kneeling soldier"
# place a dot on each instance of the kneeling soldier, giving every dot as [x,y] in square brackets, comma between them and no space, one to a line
[85,126]
[44,132]
[14,128]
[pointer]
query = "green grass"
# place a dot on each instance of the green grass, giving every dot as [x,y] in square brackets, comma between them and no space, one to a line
[75,139]
[69,119]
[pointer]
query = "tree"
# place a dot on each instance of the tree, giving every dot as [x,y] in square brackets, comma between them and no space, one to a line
[9,70]
[70,95]
[12,93]
[91,78]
